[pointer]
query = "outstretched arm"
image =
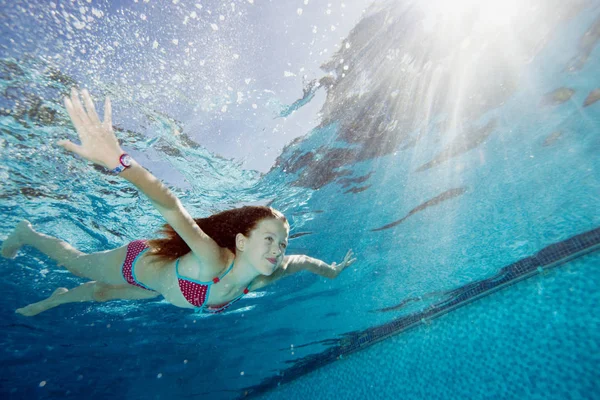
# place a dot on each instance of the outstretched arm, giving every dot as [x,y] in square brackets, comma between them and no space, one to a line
[316,266]
[297,263]
[100,146]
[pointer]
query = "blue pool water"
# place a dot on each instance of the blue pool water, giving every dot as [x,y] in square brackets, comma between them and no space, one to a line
[456,153]
[533,341]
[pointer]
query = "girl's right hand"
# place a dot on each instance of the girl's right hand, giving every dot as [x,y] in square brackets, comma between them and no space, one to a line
[98,141]
[349,259]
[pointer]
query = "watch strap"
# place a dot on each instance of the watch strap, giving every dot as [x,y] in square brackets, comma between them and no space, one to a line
[122,165]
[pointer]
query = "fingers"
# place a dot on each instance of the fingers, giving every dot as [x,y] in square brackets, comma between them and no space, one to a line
[70,146]
[348,260]
[84,120]
[89,105]
[78,113]
[107,113]
[348,255]
[78,107]
[78,122]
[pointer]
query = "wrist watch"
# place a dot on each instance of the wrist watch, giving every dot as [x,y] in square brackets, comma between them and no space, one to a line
[125,161]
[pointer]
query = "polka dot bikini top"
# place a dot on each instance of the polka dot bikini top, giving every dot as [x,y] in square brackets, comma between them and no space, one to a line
[196,292]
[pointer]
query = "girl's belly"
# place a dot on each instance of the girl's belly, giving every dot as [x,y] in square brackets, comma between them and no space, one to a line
[161,277]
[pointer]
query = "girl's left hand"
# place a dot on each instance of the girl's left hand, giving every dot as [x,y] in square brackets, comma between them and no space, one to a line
[348,260]
[98,141]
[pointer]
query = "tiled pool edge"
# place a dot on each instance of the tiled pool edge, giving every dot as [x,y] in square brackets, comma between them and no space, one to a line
[549,257]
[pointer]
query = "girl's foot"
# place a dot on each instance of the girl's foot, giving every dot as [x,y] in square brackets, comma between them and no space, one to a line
[14,241]
[41,306]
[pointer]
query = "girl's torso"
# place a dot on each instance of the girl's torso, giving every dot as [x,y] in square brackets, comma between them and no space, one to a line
[162,276]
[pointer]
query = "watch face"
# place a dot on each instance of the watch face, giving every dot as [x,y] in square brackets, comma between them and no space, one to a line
[126,160]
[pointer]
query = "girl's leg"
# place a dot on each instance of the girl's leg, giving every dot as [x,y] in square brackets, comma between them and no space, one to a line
[89,291]
[102,266]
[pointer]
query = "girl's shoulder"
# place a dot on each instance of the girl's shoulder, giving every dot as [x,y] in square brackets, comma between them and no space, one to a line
[203,270]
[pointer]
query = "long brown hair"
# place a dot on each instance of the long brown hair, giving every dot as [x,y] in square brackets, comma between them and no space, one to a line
[221,227]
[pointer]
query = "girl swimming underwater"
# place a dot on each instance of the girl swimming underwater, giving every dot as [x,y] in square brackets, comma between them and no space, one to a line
[205,264]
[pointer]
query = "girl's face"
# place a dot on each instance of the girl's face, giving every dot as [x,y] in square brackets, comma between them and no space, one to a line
[265,247]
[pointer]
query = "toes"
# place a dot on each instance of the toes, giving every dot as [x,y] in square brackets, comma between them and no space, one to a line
[27,311]
[21,311]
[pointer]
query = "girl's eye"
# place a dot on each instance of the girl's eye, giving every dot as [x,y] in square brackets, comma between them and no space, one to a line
[283,246]
[269,238]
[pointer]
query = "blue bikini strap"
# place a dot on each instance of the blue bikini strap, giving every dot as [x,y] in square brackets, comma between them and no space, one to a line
[204,307]
[226,272]
[133,269]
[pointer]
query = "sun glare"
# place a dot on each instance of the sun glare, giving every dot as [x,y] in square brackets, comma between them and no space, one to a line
[489,12]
